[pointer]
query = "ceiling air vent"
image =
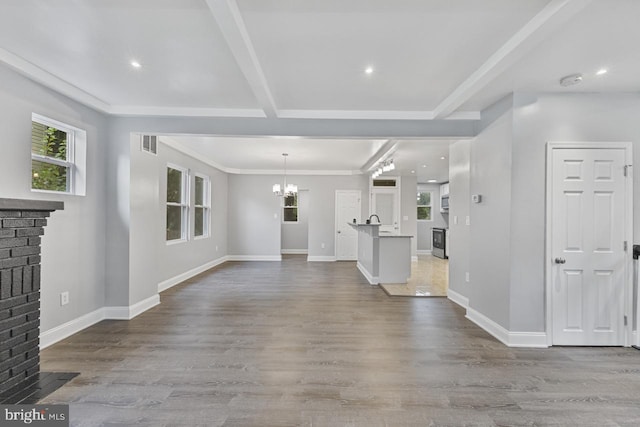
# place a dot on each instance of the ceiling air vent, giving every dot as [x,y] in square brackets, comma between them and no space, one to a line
[150,144]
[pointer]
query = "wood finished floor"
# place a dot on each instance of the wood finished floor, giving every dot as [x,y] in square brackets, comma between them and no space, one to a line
[312,344]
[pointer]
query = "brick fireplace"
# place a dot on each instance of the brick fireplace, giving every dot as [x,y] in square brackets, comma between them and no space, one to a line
[22,224]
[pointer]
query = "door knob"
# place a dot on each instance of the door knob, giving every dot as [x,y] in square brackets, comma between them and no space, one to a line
[560,260]
[339,231]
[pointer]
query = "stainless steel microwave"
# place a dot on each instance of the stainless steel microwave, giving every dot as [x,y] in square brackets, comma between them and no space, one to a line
[444,204]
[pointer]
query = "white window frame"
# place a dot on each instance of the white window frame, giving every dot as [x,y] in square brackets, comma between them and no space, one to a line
[151,144]
[76,157]
[296,207]
[184,204]
[425,206]
[206,200]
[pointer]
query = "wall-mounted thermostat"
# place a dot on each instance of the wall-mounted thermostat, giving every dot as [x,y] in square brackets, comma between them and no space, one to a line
[476,198]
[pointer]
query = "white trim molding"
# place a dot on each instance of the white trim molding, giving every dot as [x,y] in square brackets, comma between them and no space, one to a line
[60,332]
[294,251]
[424,251]
[318,258]
[508,338]
[371,279]
[171,282]
[129,312]
[459,299]
[254,258]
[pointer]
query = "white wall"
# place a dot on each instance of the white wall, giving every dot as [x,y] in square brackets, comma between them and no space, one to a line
[295,235]
[254,217]
[459,205]
[438,220]
[537,120]
[73,247]
[490,176]
[409,210]
[255,232]
[152,260]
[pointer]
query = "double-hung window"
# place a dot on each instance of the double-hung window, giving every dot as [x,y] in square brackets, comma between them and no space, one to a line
[177,203]
[57,156]
[202,206]
[290,208]
[424,205]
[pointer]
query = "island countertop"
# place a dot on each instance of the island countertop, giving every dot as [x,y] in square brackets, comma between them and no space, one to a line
[383,256]
[380,233]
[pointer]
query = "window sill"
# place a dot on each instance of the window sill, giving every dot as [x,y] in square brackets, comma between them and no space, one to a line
[201,237]
[61,193]
[176,242]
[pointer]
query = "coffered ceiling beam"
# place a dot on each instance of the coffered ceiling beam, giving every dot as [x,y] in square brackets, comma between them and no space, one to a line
[230,21]
[548,20]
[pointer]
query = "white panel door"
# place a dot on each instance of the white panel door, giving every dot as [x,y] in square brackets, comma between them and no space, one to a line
[385,204]
[588,233]
[347,208]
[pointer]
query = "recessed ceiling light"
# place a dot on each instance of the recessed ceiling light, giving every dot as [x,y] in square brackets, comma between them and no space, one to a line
[601,71]
[432,180]
[413,171]
[369,70]
[135,64]
[442,158]
[424,166]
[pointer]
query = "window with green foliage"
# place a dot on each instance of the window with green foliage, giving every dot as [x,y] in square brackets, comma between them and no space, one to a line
[51,160]
[202,206]
[177,205]
[424,205]
[290,209]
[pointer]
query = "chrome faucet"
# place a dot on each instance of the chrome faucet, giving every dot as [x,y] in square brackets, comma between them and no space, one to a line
[371,216]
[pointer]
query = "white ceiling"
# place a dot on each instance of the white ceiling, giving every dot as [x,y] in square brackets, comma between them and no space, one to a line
[306,59]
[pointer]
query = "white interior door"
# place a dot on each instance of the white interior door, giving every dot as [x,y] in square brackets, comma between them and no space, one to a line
[348,207]
[589,265]
[385,204]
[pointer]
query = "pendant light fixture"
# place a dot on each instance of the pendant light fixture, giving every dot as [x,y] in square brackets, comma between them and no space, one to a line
[289,189]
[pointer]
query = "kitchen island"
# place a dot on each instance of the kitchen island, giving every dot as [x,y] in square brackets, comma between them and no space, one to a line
[383,257]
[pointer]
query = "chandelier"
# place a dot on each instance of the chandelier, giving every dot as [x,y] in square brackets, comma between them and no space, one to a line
[289,189]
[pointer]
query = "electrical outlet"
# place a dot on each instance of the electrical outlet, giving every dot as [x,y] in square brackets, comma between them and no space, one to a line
[216,248]
[64,298]
[468,220]
[321,245]
[466,277]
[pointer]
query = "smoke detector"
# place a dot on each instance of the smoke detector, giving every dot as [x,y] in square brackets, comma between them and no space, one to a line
[571,80]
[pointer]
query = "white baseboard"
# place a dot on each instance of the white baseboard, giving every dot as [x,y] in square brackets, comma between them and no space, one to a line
[294,251]
[254,258]
[65,330]
[488,325]
[128,313]
[459,299]
[508,338]
[371,279]
[166,284]
[58,333]
[316,258]
[424,251]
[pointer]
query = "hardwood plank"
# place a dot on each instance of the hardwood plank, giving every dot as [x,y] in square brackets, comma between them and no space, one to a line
[297,343]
